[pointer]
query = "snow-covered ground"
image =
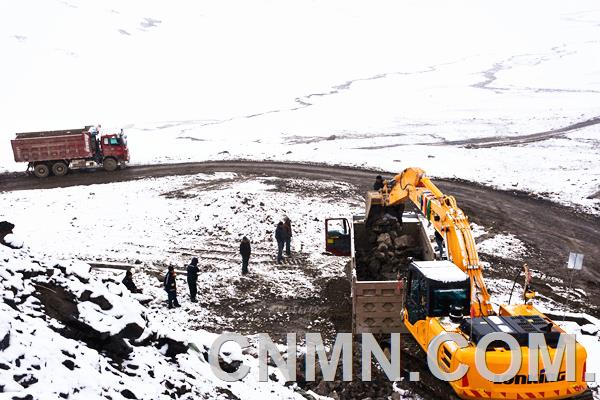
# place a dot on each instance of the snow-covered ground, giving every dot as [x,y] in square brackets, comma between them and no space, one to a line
[165,220]
[347,82]
[503,245]
[44,362]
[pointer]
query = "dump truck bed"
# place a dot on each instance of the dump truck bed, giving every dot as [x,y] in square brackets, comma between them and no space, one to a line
[377,302]
[52,145]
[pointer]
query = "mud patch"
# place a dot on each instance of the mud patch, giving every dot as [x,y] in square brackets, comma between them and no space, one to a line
[255,308]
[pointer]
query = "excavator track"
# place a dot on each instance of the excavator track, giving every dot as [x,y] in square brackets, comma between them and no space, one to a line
[414,359]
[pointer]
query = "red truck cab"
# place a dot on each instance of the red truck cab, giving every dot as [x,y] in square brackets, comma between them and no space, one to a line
[115,146]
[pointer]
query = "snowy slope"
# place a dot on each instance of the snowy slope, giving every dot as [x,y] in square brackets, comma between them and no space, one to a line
[59,342]
[349,82]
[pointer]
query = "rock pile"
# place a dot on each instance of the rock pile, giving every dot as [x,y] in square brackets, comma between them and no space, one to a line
[389,250]
[379,387]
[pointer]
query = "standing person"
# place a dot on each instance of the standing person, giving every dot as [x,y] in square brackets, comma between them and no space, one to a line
[287,229]
[192,278]
[171,287]
[439,240]
[245,252]
[378,185]
[280,237]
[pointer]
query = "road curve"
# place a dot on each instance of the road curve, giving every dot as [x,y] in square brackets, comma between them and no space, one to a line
[550,230]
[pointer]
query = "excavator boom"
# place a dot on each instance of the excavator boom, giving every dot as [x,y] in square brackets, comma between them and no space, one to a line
[449,221]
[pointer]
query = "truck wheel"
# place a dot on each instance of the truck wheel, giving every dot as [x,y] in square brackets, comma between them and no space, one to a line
[59,168]
[41,171]
[110,164]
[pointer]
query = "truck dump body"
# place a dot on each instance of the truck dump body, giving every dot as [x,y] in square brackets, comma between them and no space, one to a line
[63,132]
[382,253]
[52,145]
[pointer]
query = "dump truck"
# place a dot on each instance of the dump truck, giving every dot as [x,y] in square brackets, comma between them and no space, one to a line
[57,152]
[377,289]
[399,284]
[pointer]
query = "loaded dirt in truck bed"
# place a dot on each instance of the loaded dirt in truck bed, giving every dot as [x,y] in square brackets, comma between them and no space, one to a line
[389,251]
[388,247]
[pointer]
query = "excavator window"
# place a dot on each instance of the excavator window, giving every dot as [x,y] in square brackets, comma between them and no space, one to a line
[443,300]
[416,302]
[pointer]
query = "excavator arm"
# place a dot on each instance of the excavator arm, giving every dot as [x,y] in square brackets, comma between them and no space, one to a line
[449,221]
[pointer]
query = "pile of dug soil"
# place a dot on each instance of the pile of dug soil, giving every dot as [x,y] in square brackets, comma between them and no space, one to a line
[380,387]
[389,252]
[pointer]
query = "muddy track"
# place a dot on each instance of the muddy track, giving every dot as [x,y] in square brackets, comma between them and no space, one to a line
[499,141]
[550,230]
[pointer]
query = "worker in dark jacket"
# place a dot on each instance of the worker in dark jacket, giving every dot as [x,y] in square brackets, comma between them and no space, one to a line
[245,252]
[128,282]
[378,185]
[287,230]
[171,287]
[192,278]
[439,240]
[280,237]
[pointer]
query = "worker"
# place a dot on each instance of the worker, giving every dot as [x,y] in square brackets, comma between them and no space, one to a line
[439,240]
[280,237]
[287,230]
[95,142]
[378,185]
[128,282]
[171,287]
[245,252]
[192,278]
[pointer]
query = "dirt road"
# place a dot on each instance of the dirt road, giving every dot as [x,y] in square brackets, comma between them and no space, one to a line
[499,141]
[549,230]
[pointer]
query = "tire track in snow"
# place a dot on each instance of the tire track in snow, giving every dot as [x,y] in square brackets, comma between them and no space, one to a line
[498,141]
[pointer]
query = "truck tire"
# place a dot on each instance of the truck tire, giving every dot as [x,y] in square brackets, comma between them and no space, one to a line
[59,168]
[110,164]
[41,171]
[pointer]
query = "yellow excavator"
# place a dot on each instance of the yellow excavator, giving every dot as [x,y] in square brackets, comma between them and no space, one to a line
[450,296]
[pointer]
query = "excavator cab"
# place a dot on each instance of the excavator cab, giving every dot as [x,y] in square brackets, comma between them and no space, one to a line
[436,289]
[337,237]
